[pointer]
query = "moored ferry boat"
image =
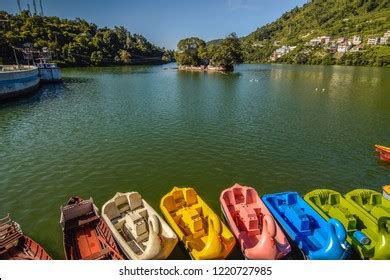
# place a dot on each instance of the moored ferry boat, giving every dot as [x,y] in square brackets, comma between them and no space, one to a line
[18,80]
[48,72]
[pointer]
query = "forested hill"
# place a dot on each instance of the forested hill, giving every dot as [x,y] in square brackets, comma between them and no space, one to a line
[333,18]
[76,42]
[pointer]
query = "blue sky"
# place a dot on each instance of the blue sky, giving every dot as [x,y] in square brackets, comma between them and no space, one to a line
[165,22]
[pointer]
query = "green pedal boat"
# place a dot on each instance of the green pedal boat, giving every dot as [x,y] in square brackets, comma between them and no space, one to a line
[365,215]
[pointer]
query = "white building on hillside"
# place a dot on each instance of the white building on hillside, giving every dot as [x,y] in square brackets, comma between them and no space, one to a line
[342,48]
[315,42]
[357,40]
[278,53]
[383,40]
[373,41]
[325,39]
[341,40]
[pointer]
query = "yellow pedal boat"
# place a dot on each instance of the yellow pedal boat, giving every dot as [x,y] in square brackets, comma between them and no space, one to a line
[203,233]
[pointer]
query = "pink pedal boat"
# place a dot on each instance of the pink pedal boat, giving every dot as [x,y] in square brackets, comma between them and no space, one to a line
[257,232]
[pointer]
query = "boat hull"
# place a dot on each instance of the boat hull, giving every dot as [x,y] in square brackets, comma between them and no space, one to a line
[50,74]
[201,231]
[18,83]
[255,229]
[85,234]
[160,239]
[317,238]
[14,245]
[384,152]
[372,210]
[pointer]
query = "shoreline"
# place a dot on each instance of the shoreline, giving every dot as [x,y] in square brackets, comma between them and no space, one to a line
[203,68]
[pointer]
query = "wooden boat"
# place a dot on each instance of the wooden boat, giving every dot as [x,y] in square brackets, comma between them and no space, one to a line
[317,238]
[14,245]
[259,235]
[373,213]
[139,230]
[86,235]
[197,226]
[384,152]
[362,233]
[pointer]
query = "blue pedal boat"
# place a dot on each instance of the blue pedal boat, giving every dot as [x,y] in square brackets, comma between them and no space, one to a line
[317,238]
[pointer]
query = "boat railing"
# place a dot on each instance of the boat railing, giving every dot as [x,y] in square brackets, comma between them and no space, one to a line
[46,65]
[13,68]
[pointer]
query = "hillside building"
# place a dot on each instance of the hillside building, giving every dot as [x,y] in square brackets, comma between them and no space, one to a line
[357,40]
[373,41]
[383,40]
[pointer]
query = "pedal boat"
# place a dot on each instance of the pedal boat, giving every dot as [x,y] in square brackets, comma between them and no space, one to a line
[384,152]
[372,210]
[140,231]
[255,229]
[14,245]
[316,238]
[86,235]
[202,232]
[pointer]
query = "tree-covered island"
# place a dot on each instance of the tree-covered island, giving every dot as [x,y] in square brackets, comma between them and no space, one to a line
[195,55]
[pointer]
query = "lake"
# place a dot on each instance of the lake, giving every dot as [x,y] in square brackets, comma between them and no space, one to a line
[149,128]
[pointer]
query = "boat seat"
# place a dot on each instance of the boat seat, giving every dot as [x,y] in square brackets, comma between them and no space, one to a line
[81,221]
[196,225]
[191,197]
[251,196]
[178,195]
[291,199]
[169,204]
[228,197]
[334,198]
[135,201]
[80,209]
[247,219]
[357,199]
[7,241]
[111,211]
[98,255]
[375,199]
[141,232]
[123,208]
[137,226]
[298,218]
[316,200]
[344,216]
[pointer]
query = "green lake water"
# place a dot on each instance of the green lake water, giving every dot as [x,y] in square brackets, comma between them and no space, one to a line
[148,128]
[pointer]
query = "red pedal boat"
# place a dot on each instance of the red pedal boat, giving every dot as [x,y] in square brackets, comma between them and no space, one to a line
[259,235]
[384,152]
[86,235]
[14,245]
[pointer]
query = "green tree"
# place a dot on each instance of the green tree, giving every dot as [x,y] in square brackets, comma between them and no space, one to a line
[227,53]
[188,51]
[75,42]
